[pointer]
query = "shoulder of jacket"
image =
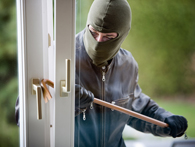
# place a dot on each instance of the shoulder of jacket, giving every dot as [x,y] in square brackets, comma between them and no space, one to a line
[79,35]
[127,57]
[79,40]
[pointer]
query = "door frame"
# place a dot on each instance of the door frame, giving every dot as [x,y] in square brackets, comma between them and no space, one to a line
[36,60]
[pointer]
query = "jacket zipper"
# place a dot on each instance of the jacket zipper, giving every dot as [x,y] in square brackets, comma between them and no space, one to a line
[103,108]
[103,76]
[84,116]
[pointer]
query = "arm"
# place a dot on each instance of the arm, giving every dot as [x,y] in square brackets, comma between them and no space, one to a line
[144,105]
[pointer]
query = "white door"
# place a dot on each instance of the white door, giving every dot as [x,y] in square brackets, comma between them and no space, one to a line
[39,57]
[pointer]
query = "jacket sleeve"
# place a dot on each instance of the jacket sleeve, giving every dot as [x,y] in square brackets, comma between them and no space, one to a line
[144,105]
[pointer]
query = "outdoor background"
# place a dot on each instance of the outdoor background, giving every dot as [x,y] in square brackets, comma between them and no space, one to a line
[162,40]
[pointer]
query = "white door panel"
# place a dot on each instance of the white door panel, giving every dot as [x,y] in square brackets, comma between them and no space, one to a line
[64,44]
[30,53]
[42,59]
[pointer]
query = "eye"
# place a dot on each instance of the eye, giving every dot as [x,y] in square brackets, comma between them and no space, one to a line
[93,33]
[109,37]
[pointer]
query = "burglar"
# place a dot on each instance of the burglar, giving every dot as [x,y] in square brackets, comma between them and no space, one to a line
[106,71]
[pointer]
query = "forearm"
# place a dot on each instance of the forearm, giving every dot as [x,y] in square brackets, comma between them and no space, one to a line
[144,105]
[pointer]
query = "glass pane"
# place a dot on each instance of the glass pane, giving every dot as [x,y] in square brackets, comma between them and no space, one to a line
[110,73]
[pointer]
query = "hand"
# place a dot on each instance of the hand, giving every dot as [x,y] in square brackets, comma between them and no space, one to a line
[83,97]
[177,124]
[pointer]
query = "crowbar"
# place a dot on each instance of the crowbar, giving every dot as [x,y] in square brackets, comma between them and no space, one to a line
[129,112]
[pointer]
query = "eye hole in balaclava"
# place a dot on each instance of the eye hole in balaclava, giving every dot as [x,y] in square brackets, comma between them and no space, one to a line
[101,37]
[107,16]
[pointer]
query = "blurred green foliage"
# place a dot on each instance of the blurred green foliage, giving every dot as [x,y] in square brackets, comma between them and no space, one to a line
[82,9]
[9,134]
[161,39]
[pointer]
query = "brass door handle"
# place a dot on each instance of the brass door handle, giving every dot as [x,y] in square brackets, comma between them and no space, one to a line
[65,84]
[46,94]
[36,90]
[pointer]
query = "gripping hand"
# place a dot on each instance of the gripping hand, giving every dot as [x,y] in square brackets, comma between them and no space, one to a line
[177,124]
[83,97]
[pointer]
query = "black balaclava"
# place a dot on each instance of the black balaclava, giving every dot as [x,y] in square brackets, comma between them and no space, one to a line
[107,16]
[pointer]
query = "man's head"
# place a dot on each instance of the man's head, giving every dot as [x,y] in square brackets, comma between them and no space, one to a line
[106,17]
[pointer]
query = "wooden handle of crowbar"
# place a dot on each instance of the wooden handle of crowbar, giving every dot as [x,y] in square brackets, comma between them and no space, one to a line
[132,113]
